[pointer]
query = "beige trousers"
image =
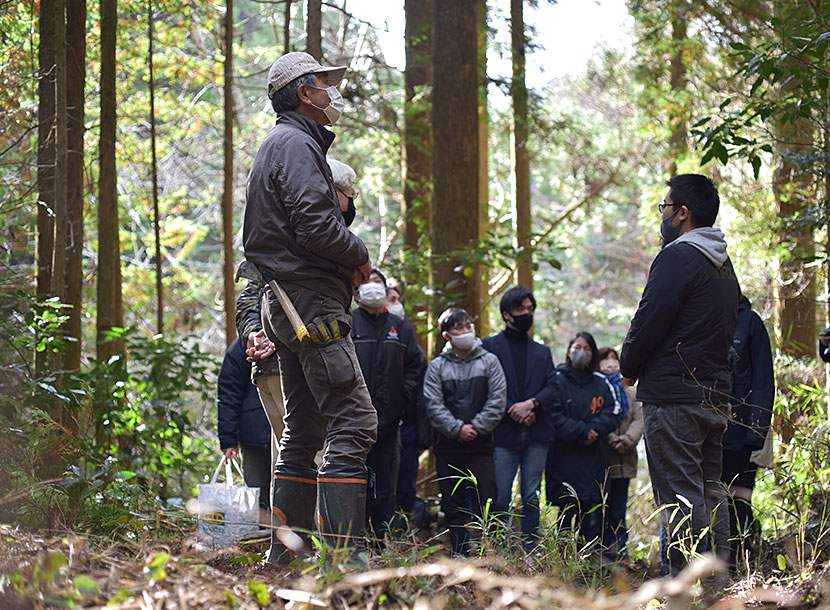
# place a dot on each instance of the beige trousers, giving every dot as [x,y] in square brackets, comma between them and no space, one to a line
[269,388]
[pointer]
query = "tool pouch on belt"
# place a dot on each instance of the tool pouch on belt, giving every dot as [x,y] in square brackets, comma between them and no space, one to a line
[339,364]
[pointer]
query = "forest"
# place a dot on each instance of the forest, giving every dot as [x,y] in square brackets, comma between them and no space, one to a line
[127,131]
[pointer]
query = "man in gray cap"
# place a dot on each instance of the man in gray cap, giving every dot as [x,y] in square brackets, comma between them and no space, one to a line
[295,234]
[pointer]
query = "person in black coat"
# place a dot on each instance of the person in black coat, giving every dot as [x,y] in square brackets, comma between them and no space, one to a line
[415,433]
[242,422]
[524,434]
[586,411]
[677,350]
[753,391]
[392,366]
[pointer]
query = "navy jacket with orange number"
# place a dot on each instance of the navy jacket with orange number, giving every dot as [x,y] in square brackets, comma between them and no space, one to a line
[586,402]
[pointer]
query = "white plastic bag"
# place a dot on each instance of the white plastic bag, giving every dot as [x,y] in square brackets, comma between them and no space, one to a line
[227,512]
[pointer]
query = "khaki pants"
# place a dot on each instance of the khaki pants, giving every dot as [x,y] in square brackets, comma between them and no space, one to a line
[270,395]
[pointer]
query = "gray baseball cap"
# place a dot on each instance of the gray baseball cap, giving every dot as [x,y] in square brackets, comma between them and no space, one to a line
[295,64]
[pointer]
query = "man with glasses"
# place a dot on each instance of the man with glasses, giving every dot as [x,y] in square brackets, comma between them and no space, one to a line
[678,348]
[464,390]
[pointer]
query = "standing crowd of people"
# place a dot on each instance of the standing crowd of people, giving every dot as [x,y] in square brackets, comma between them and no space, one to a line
[352,401]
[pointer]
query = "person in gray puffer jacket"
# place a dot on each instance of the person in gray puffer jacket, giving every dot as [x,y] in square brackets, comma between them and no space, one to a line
[465,392]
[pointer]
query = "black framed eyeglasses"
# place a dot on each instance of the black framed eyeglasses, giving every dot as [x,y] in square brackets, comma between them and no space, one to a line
[663,206]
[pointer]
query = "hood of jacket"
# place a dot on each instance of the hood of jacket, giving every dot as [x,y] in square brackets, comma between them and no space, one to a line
[709,240]
[477,351]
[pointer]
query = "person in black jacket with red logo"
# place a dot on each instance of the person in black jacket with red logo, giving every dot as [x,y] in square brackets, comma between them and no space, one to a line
[586,411]
[392,366]
[678,347]
[242,422]
[753,391]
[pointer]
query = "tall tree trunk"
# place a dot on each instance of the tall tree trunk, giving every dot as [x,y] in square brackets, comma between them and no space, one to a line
[287,27]
[314,27]
[154,172]
[45,157]
[76,77]
[518,91]
[58,288]
[455,161]
[417,141]
[110,308]
[795,288]
[227,191]
[483,165]
[678,79]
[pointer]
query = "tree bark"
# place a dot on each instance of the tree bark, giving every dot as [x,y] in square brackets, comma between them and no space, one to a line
[287,27]
[76,78]
[45,157]
[795,288]
[678,80]
[417,140]
[455,161]
[518,91]
[227,191]
[154,172]
[314,26]
[483,165]
[110,312]
[58,287]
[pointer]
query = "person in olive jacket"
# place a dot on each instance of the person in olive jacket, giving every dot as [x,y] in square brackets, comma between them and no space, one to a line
[526,430]
[586,411]
[242,422]
[753,392]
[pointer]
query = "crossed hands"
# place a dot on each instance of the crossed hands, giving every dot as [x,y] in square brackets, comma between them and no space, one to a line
[522,413]
[258,346]
[592,437]
[467,433]
[618,446]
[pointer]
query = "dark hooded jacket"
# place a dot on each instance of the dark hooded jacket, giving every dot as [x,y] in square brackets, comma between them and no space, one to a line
[241,416]
[753,387]
[294,229]
[678,343]
[586,401]
[391,361]
[538,382]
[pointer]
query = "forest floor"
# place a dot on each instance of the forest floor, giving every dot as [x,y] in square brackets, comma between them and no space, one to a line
[80,571]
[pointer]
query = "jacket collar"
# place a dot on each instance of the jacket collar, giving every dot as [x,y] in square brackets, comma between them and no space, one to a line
[321,135]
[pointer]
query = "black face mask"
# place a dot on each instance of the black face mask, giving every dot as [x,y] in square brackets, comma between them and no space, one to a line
[523,322]
[350,212]
[669,232]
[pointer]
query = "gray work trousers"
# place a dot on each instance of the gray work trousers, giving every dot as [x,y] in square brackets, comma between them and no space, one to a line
[326,399]
[683,445]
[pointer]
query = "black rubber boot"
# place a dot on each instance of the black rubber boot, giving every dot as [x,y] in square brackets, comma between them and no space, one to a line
[342,508]
[293,505]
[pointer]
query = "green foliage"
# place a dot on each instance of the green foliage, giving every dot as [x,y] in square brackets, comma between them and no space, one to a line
[787,79]
[133,434]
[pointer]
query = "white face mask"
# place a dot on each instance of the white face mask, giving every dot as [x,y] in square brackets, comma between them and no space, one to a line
[463,342]
[372,295]
[336,104]
[396,309]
